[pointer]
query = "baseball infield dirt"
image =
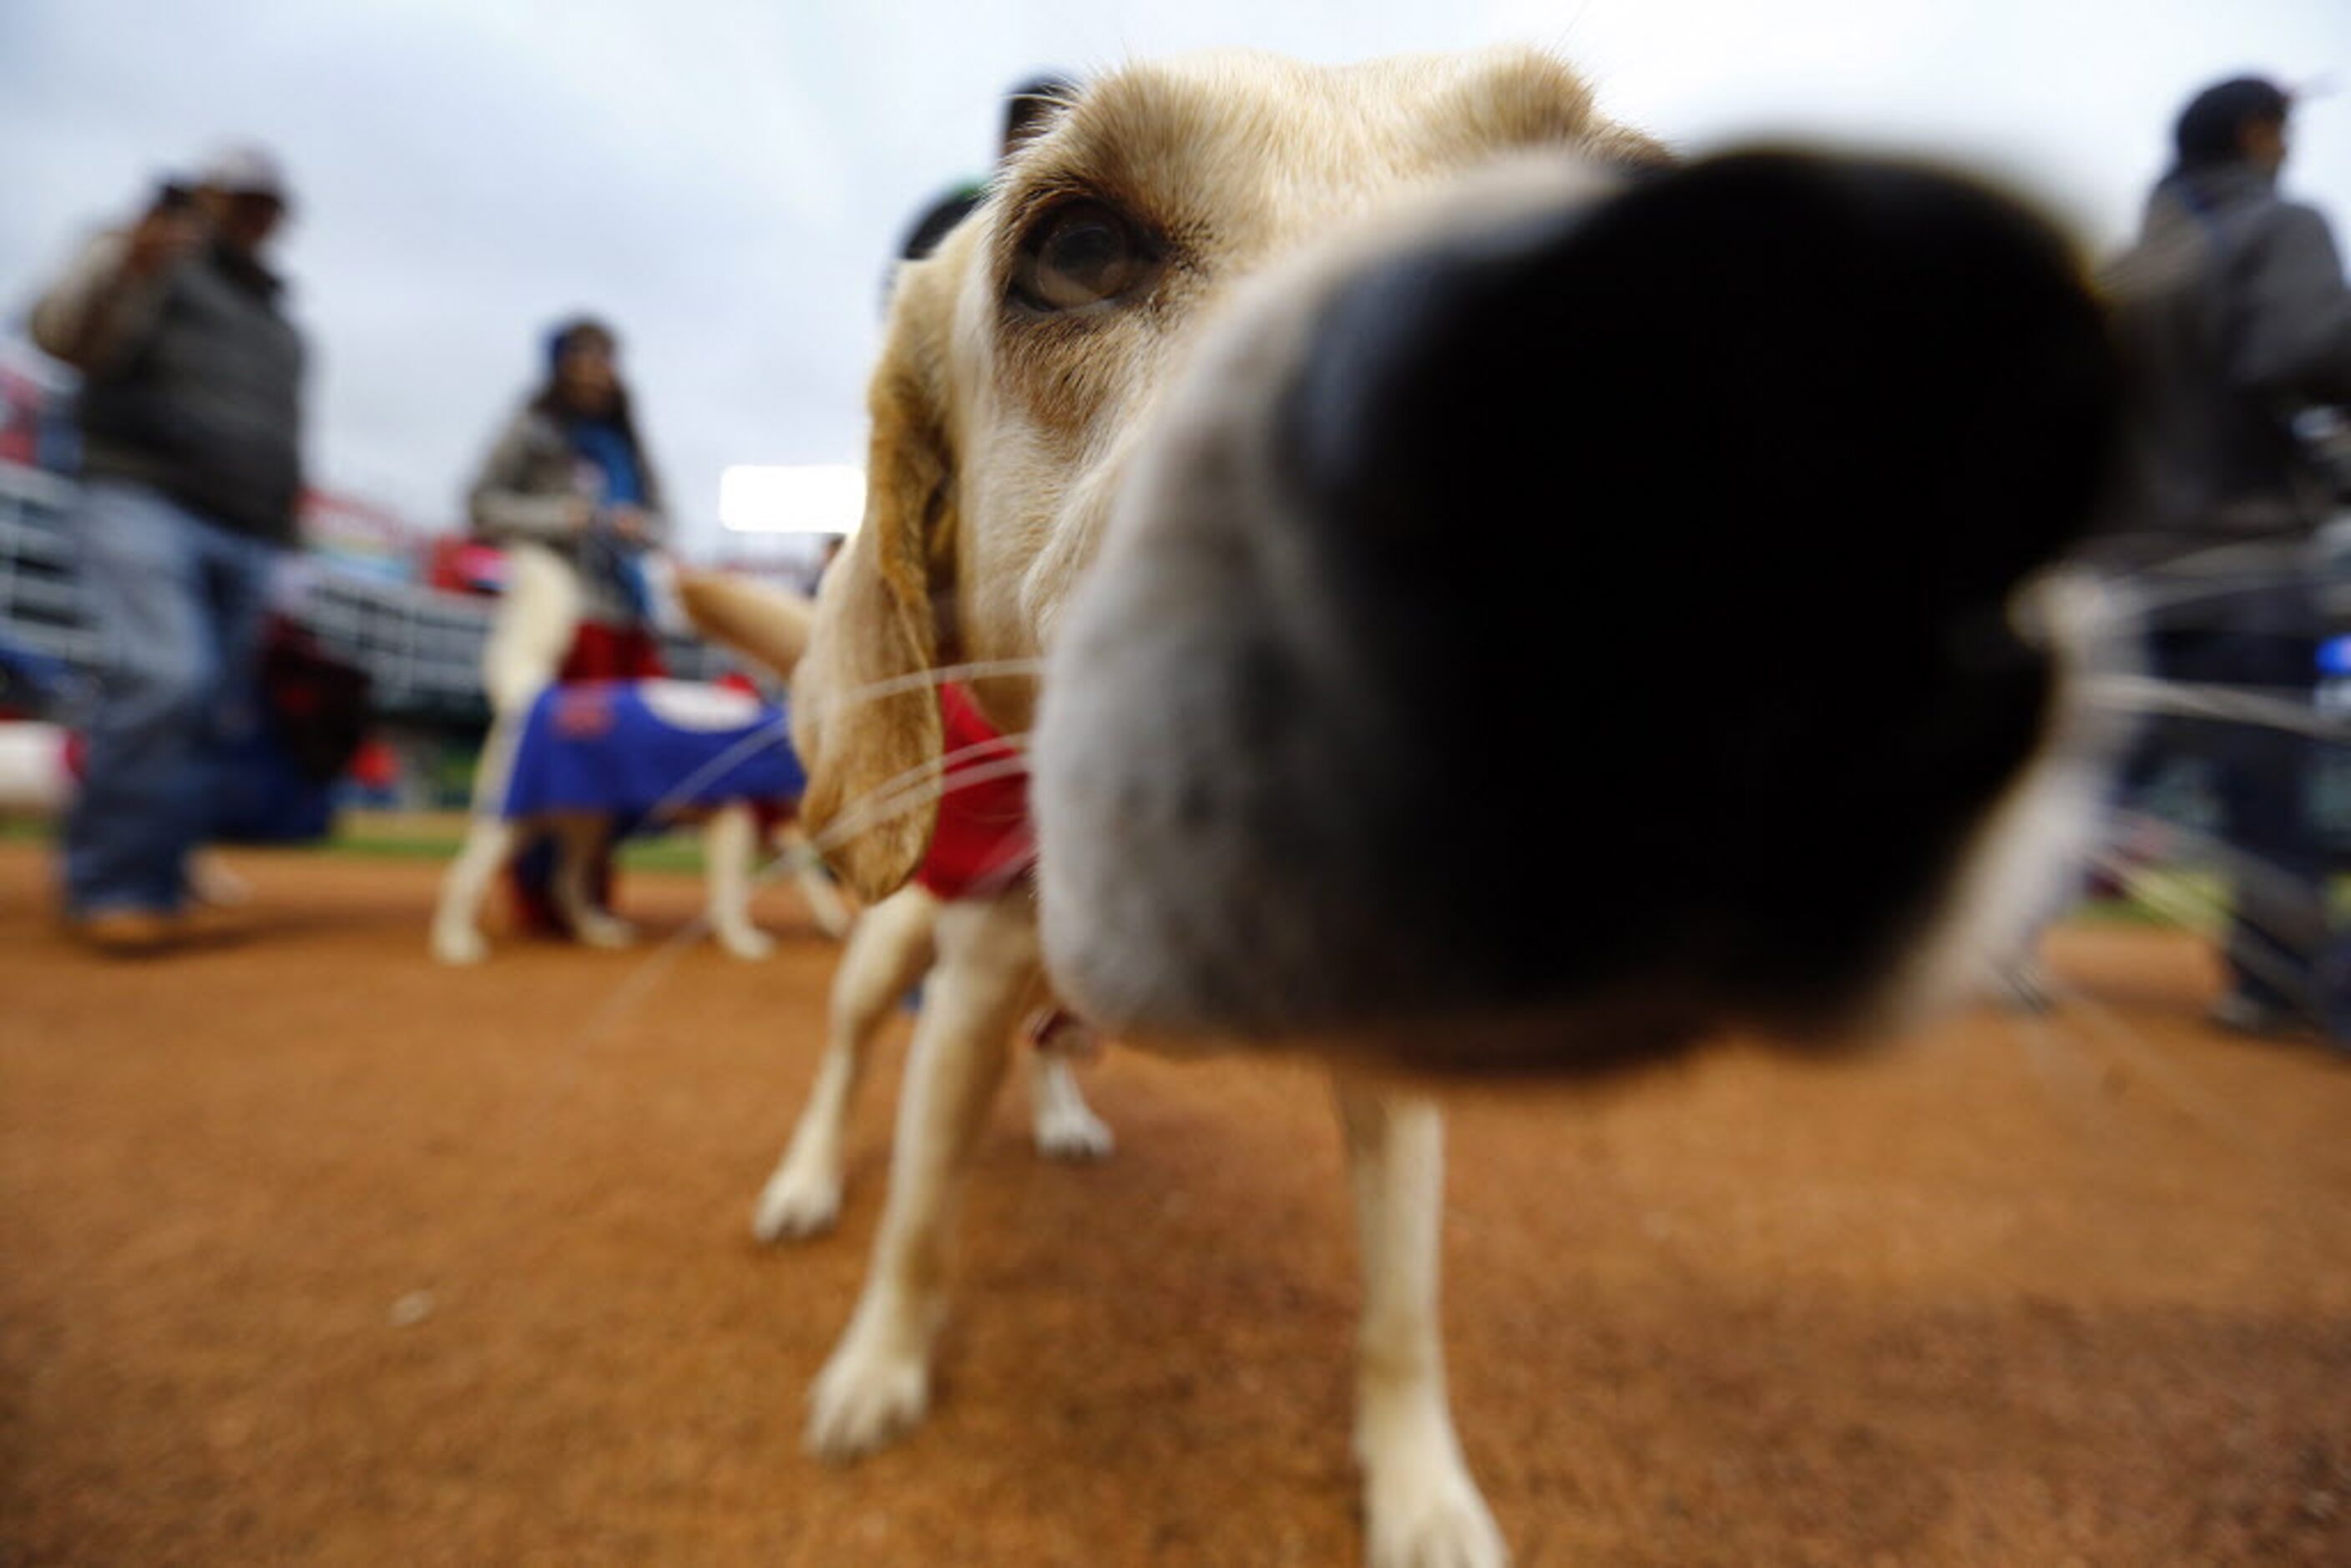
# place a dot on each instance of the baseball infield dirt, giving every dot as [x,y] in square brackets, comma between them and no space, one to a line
[313,1252]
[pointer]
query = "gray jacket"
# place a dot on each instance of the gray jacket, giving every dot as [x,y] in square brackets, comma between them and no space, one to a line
[532,490]
[191,381]
[2233,317]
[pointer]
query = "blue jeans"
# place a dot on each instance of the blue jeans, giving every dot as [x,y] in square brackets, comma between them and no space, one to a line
[177,602]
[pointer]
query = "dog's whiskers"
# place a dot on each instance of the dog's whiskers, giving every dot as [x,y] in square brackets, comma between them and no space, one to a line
[2244,556]
[2238,562]
[929,679]
[893,798]
[776,732]
[912,790]
[2141,603]
[2231,704]
[779,732]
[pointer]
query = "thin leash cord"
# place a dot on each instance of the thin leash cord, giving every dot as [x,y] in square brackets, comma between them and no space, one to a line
[2060,1071]
[2175,1088]
[904,792]
[532,1120]
[2197,1101]
[885,804]
[938,774]
[2224,704]
[2193,914]
[778,730]
[775,732]
[2126,1046]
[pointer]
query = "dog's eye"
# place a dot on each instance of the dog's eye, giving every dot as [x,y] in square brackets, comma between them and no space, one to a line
[1079,253]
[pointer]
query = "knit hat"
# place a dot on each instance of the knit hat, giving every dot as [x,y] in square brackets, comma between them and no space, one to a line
[560,336]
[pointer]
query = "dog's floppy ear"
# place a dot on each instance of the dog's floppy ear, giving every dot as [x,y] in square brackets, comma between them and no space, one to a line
[867,730]
[767,625]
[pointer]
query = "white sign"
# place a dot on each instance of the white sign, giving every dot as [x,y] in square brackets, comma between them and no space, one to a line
[806,498]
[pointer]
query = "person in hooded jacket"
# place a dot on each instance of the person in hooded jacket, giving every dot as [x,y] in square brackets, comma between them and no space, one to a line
[2234,321]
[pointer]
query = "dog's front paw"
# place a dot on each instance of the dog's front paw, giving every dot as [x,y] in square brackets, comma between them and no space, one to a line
[1066,1126]
[1421,1510]
[1069,1131]
[874,1390]
[459,945]
[604,931]
[1444,1525]
[747,942]
[801,1199]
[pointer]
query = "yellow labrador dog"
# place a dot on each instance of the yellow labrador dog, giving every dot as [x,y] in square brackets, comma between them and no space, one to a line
[1502,600]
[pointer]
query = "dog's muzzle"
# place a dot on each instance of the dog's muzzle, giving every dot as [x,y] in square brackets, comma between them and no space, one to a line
[1561,634]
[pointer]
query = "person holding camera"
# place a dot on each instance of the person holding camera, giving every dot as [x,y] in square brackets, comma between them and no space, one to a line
[189,418]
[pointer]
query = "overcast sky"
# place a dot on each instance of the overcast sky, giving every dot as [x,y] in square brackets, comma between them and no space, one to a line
[725,179]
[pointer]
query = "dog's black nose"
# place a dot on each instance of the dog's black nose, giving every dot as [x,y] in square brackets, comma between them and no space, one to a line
[1678,531]
[1795,361]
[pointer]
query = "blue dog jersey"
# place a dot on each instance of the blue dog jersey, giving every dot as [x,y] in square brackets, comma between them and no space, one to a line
[628,748]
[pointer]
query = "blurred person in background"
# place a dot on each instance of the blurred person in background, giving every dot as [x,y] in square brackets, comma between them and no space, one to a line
[2235,320]
[189,418]
[570,495]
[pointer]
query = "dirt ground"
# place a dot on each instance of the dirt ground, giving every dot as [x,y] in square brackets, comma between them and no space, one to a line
[313,1252]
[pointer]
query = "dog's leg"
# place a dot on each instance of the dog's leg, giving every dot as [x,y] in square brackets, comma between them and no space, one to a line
[1421,1509]
[490,839]
[887,953]
[728,845]
[537,616]
[877,1384]
[1066,1127]
[833,917]
[579,841]
[456,920]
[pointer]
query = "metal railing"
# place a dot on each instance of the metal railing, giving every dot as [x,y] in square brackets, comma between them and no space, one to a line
[40,602]
[420,647]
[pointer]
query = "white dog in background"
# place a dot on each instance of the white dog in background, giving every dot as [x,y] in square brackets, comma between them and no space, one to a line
[540,615]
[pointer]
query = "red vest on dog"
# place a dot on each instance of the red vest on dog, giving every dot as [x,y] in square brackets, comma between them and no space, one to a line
[984,839]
